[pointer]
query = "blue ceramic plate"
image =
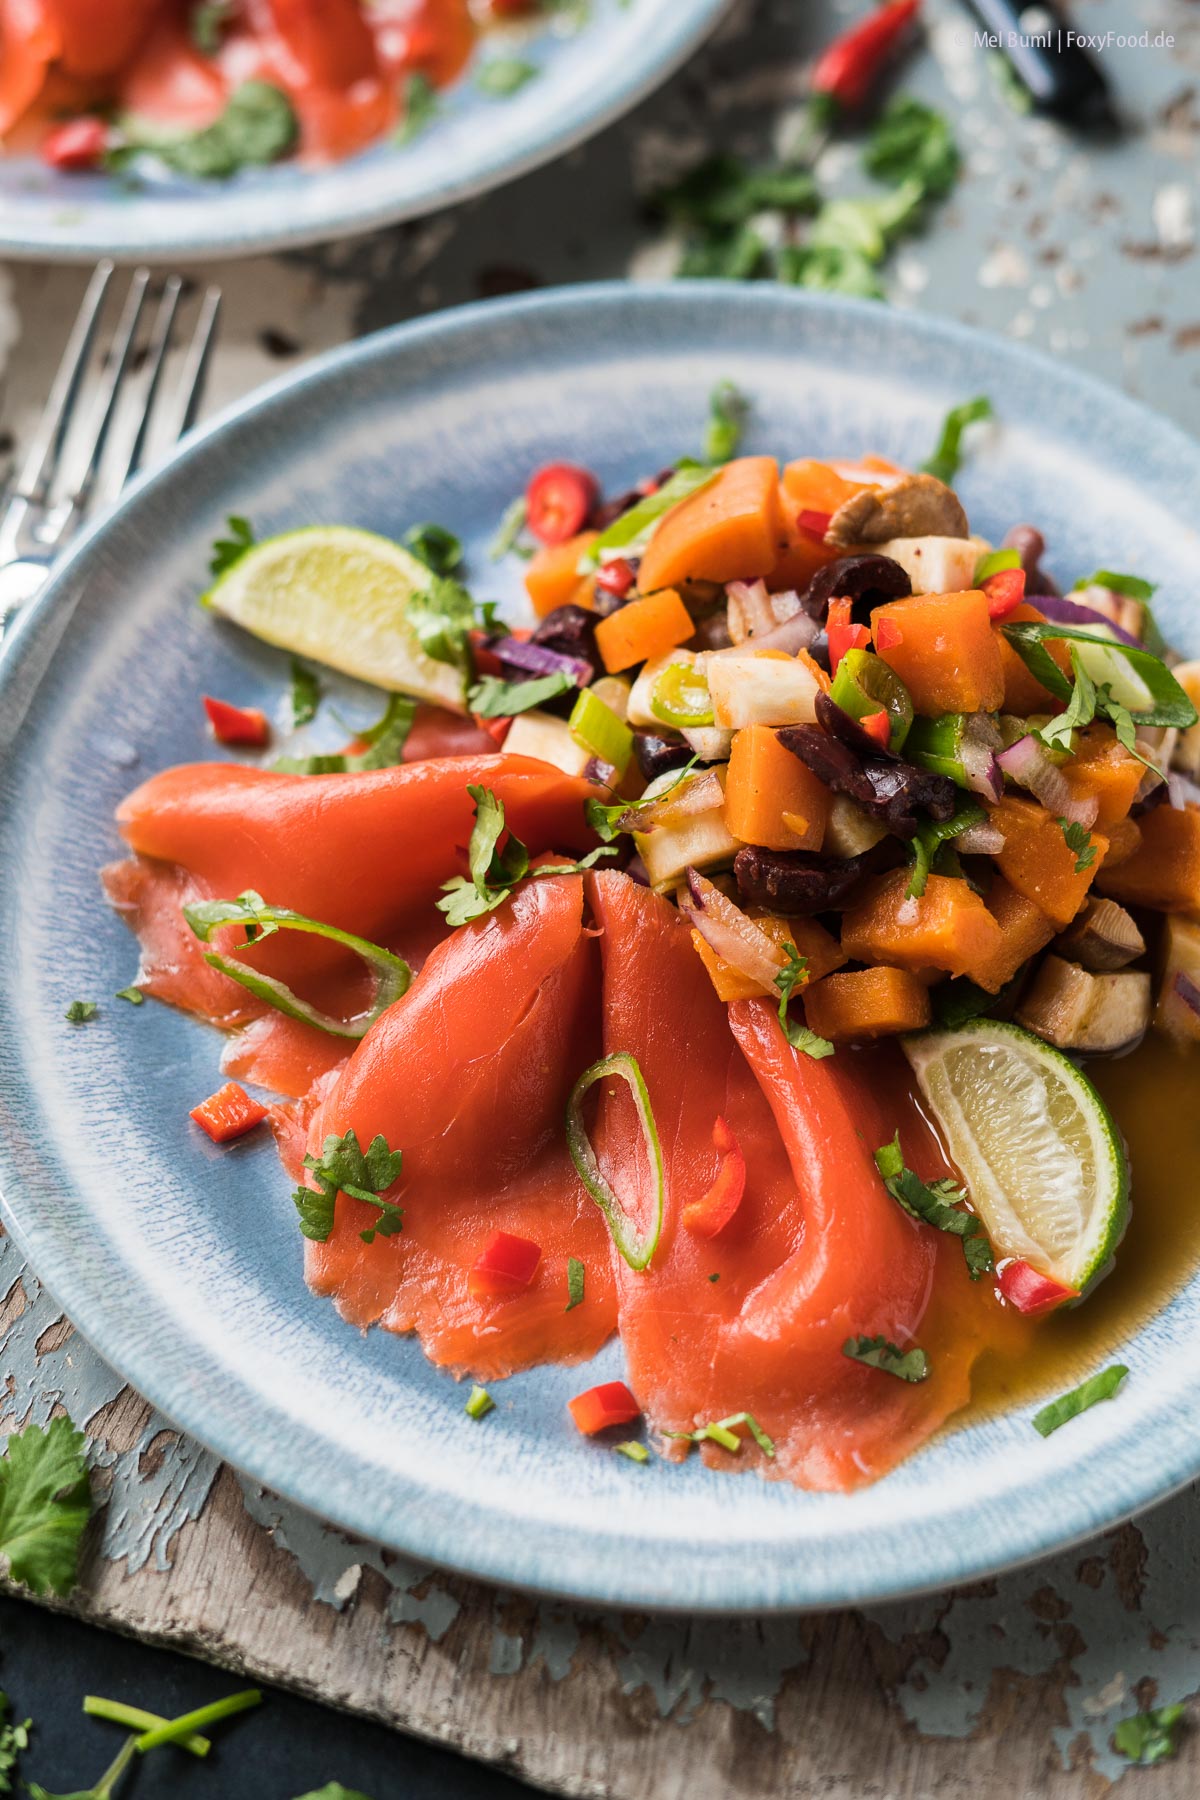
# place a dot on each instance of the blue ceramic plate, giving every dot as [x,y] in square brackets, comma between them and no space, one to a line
[181,1262]
[586,78]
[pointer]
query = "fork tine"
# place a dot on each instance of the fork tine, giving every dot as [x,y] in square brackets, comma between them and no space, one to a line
[41,459]
[83,477]
[156,354]
[189,390]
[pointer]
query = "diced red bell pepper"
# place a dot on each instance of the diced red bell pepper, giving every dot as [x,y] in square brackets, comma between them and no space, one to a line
[616,577]
[558,501]
[888,634]
[507,1266]
[237,724]
[78,144]
[229,1113]
[1005,591]
[879,726]
[597,1408]
[848,70]
[841,634]
[713,1211]
[813,524]
[1028,1290]
[497,729]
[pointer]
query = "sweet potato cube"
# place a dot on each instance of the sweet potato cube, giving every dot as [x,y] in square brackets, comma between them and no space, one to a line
[1023,692]
[770,797]
[643,630]
[866,1003]
[731,530]
[553,579]
[948,927]
[943,648]
[1102,768]
[819,948]
[1025,930]
[1039,863]
[1164,871]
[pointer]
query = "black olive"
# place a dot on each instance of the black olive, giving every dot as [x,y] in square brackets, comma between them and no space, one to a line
[890,790]
[801,881]
[866,580]
[658,752]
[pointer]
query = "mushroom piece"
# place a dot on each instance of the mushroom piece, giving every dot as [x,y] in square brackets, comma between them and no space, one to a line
[917,506]
[1178,1011]
[1087,1013]
[1103,937]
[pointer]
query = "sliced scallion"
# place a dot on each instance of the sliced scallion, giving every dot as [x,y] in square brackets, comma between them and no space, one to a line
[636,1245]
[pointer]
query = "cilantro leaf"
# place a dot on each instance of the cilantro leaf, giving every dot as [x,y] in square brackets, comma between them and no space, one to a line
[134,995]
[81,1012]
[437,548]
[306,692]
[723,192]
[728,411]
[1080,710]
[419,106]
[830,269]
[929,838]
[794,974]
[944,462]
[1078,838]
[504,75]
[14,1738]
[495,872]
[492,698]
[344,1167]
[228,550]
[575,1278]
[881,1353]
[45,1504]
[1170,705]
[609,821]
[441,619]
[936,1203]
[1069,1405]
[1132,587]
[913,142]
[257,127]
[956,1002]
[1149,1737]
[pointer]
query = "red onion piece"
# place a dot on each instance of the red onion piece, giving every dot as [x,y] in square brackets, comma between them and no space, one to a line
[1070,612]
[698,794]
[984,839]
[540,661]
[977,753]
[637,871]
[726,930]
[1188,992]
[1031,768]
[794,634]
[750,611]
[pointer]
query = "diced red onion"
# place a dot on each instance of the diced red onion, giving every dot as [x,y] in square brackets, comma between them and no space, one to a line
[726,930]
[984,839]
[1070,612]
[1031,768]
[794,634]
[540,661]
[977,753]
[1188,992]
[1183,791]
[750,611]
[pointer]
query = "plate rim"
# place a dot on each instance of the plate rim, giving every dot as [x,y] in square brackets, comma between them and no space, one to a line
[602,1581]
[680,32]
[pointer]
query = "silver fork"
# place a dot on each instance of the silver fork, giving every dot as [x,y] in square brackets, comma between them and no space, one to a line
[61,481]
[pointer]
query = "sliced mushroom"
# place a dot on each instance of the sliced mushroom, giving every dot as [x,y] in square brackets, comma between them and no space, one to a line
[1102,938]
[1088,1013]
[917,506]
[1178,1010]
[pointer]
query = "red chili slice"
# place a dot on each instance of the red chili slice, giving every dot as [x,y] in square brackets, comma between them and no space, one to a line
[1005,591]
[841,634]
[616,577]
[813,524]
[229,1113]
[888,634]
[558,501]
[1031,1292]
[879,726]
[713,1211]
[236,724]
[507,1266]
[597,1408]
[78,144]
[497,729]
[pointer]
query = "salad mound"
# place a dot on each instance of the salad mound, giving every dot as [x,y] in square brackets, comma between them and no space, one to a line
[711,962]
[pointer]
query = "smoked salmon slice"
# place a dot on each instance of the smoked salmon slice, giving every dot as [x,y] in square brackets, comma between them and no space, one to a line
[468,1075]
[754,1320]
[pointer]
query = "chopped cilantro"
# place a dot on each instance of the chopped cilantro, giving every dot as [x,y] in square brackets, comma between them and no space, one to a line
[794,974]
[80,1012]
[228,550]
[344,1168]
[134,995]
[45,1504]
[609,821]
[1069,1406]
[936,1203]
[913,142]
[715,1277]
[306,692]
[479,1403]
[929,838]
[14,1738]
[504,75]
[492,698]
[728,411]
[944,462]
[1078,838]
[881,1353]
[636,1452]
[723,192]
[258,126]
[1080,710]
[575,1279]
[1132,587]
[495,872]
[1149,1737]
[437,548]
[419,104]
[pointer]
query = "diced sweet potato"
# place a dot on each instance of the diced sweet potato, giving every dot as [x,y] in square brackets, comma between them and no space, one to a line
[1025,930]
[1023,693]
[553,579]
[943,648]
[866,1003]
[948,927]
[770,797]
[643,630]
[731,530]
[819,948]
[1164,871]
[1103,769]
[1039,863]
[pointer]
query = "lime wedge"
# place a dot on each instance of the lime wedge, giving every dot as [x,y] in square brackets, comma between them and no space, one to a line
[337,595]
[1043,1160]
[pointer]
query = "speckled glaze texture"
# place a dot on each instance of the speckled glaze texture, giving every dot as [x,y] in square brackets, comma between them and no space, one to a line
[585,79]
[181,1262]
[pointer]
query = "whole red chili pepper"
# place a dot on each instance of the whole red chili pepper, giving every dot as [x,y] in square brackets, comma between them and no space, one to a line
[848,69]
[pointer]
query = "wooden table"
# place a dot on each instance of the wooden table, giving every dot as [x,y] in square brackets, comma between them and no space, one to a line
[1009,1688]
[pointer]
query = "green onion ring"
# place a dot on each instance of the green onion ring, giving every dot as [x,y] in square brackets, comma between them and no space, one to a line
[392,972]
[634,1247]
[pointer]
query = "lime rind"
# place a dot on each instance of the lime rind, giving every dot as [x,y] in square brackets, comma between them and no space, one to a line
[1042,1156]
[335,594]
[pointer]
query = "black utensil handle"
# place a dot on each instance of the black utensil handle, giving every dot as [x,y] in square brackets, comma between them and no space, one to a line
[1061,76]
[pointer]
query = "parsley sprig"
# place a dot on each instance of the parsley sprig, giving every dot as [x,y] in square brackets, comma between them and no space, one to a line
[498,862]
[345,1167]
[793,974]
[936,1203]
[1078,838]
[230,549]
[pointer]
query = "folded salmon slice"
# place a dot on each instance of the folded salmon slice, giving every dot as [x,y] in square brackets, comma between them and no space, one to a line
[367,852]
[755,1319]
[468,1075]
